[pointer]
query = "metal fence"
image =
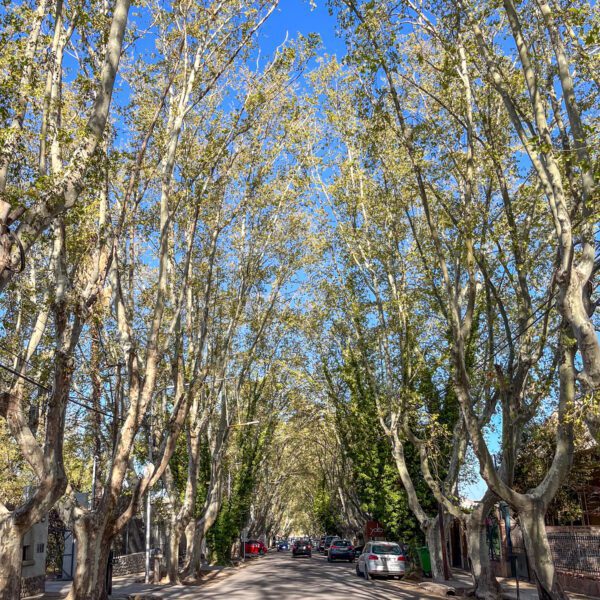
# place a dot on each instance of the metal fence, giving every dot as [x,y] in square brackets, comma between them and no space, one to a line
[575,552]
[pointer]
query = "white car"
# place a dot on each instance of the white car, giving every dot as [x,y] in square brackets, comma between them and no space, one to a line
[385,559]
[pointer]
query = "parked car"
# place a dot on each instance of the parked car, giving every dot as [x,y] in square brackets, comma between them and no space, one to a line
[254,548]
[283,546]
[358,551]
[328,540]
[302,548]
[341,550]
[385,559]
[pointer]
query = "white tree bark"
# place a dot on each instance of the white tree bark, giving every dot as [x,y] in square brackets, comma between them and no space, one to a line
[65,191]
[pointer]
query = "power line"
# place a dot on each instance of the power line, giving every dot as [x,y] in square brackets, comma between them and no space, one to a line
[520,333]
[96,410]
[16,355]
[69,398]
[26,378]
[92,408]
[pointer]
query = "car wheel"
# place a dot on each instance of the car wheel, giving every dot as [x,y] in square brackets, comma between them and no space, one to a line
[351,560]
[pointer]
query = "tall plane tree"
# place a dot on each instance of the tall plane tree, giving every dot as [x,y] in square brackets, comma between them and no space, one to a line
[36,187]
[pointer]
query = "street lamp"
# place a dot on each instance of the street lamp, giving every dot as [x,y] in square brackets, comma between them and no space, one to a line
[243,424]
[148,468]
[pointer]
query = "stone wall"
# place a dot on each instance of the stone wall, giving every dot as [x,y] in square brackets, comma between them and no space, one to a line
[32,586]
[127,564]
[578,584]
[575,551]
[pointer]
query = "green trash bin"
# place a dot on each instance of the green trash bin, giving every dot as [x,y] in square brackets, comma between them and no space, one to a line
[425,560]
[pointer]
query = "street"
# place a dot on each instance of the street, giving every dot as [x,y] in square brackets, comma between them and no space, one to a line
[275,576]
[278,575]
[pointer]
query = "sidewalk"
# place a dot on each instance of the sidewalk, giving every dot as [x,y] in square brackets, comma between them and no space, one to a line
[126,585]
[461,580]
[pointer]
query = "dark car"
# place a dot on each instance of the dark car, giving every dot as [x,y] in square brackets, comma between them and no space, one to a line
[302,548]
[282,546]
[341,550]
[328,540]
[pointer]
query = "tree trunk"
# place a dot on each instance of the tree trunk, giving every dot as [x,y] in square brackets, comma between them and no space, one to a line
[432,537]
[484,580]
[176,531]
[92,551]
[202,525]
[194,560]
[10,559]
[539,554]
[190,546]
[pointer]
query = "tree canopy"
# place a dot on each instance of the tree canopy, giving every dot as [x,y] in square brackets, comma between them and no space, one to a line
[290,292]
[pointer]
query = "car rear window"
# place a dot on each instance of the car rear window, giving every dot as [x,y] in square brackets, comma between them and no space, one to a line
[342,543]
[387,549]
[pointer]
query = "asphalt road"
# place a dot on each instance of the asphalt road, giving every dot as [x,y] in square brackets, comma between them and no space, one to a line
[279,576]
[276,576]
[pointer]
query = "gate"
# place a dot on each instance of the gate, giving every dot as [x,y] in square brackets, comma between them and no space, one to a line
[68,556]
[60,555]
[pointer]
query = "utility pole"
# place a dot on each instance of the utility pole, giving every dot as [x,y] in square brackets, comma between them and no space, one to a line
[93,498]
[148,501]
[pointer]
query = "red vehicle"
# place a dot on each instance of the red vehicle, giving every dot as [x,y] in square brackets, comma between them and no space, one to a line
[254,548]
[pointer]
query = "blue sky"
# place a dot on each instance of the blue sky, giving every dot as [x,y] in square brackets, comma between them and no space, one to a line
[297,16]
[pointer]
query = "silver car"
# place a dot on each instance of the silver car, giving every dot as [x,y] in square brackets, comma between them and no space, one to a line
[385,559]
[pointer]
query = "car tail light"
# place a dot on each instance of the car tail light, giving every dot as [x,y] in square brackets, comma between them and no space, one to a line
[373,557]
[402,558]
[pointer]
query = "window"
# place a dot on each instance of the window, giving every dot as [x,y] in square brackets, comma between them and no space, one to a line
[27,553]
[387,549]
[39,549]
